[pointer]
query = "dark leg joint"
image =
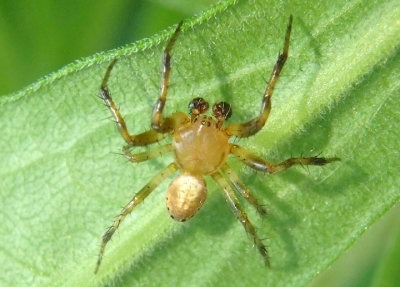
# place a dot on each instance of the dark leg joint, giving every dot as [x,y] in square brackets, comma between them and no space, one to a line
[107,75]
[265,255]
[109,233]
[322,160]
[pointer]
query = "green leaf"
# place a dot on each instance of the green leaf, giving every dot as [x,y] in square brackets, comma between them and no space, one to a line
[62,184]
[388,270]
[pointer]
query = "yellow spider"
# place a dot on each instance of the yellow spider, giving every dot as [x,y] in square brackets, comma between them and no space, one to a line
[200,145]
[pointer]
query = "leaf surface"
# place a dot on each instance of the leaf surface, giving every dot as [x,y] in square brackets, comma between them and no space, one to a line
[62,184]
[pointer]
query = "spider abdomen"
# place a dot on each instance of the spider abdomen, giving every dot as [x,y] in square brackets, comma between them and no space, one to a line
[185,195]
[201,147]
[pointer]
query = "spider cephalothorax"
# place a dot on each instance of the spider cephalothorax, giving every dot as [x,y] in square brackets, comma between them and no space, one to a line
[200,145]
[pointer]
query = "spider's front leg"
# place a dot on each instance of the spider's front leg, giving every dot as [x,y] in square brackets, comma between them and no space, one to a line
[240,214]
[145,138]
[258,163]
[167,124]
[135,201]
[253,126]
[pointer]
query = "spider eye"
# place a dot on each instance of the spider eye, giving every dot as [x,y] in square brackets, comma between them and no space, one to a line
[198,106]
[222,110]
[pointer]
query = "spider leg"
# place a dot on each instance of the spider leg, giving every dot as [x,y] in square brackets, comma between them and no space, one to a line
[145,138]
[235,182]
[136,200]
[146,155]
[158,123]
[253,126]
[258,163]
[240,214]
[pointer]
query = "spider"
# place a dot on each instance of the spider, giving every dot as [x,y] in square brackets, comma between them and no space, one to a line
[200,145]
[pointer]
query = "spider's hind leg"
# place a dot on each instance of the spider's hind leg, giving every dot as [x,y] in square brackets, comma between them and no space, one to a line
[135,201]
[236,183]
[241,214]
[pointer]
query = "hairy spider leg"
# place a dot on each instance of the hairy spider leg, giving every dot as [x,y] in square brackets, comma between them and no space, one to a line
[258,163]
[135,201]
[145,138]
[158,123]
[253,126]
[235,182]
[240,214]
[146,155]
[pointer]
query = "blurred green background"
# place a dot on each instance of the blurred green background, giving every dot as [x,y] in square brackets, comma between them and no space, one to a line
[39,37]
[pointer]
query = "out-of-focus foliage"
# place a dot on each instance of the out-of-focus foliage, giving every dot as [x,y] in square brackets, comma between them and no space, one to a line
[39,37]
